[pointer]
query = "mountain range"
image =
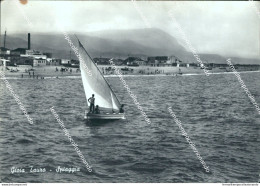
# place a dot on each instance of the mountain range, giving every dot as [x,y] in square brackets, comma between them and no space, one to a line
[117,44]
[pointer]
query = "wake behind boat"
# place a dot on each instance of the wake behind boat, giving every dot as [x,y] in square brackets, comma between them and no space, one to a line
[103,103]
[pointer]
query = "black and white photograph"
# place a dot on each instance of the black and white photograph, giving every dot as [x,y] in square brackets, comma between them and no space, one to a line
[129,92]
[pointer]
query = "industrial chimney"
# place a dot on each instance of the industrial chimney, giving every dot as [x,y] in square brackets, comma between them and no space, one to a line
[29,41]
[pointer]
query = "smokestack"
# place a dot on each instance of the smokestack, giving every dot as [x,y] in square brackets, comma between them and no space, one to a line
[29,41]
[5,39]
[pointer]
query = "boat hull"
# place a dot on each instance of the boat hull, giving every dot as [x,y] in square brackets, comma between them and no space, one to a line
[105,116]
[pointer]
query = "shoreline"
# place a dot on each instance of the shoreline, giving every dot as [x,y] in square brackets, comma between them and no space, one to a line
[49,72]
[127,75]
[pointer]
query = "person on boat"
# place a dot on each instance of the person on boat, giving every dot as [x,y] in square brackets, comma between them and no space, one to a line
[91,100]
[97,111]
[121,109]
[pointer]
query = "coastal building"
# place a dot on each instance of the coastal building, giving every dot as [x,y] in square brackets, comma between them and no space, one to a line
[140,62]
[151,61]
[161,60]
[194,64]
[102,61]
[39,62]
[49,61]
[5,54]
[105,61]
[17,60]
[53,61]
[134,61]
[14,59]
[23,56]
[34,54]
[25,59]
[65,61]
[246,67]
[5,51]
[221,65]
[118,61]
[158,61]
[29,52]
[18,51]
[74,63]
[176,62]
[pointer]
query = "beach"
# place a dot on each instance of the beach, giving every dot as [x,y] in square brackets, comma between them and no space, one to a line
[26,71]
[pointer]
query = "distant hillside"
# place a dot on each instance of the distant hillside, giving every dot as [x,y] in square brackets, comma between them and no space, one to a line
[117,43]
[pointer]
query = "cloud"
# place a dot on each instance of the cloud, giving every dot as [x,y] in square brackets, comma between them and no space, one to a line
[226,28]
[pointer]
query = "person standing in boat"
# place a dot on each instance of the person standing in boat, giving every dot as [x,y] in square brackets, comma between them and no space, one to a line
[91,100]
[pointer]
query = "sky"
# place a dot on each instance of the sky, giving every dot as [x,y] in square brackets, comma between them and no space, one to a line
[225,28]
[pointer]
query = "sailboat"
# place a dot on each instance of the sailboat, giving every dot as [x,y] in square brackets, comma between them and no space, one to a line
[96,84]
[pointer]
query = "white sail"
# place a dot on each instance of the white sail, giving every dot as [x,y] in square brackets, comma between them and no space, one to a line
[114,105]
[95,83]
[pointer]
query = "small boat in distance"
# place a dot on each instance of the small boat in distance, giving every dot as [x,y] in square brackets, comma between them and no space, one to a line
[96,84]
